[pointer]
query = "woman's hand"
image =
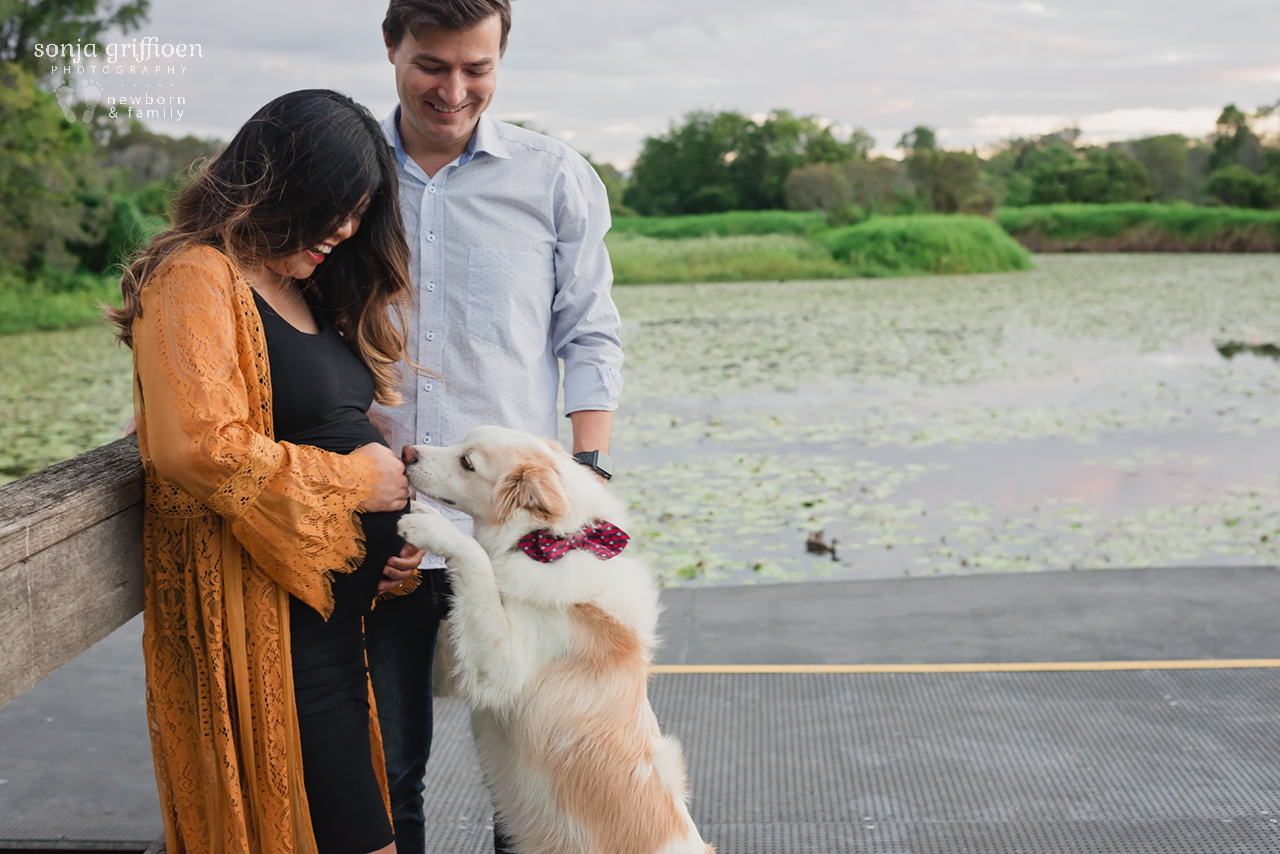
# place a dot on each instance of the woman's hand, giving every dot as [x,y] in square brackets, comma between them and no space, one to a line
[400,567]
[390,489]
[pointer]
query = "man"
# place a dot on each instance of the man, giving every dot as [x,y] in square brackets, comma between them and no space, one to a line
[505,230]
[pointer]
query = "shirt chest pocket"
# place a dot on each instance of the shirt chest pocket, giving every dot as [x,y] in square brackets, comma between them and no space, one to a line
[509,295]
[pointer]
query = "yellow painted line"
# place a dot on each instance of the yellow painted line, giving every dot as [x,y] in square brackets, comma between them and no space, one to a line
[1003,667]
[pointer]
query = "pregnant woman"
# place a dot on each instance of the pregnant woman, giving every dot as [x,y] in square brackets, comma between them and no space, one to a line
[262,330]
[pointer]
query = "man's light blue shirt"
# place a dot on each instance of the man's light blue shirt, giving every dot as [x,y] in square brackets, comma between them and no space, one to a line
[511,276]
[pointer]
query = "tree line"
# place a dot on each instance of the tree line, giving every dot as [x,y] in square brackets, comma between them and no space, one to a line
[724,161]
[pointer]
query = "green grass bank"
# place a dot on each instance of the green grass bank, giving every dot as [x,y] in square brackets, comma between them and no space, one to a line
[639,260]
[1138,227]
[729,224]
[926,244]
[740,247]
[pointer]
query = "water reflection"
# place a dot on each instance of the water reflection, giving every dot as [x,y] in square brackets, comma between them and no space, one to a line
[1130,499]
[1057,429]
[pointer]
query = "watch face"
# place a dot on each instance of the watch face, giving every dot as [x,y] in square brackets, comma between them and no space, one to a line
[603,464]
[598,462]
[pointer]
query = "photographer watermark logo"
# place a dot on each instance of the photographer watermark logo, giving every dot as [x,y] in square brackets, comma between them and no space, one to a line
[92,97]
[138,64]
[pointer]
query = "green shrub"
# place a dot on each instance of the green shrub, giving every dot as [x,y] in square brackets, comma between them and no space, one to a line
[730,224]
[130,229]
[1237,187]
[50,183]
[926,243]
[1168,164]
[59,302]
[1141,228]
[871,185]
[818,187]
[153,198]
[848,215]
[947,181]
[1103,175]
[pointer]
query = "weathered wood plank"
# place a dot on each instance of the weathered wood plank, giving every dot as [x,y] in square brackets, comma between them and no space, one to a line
[64,599]
[47,507]
[70,561]
[17,643]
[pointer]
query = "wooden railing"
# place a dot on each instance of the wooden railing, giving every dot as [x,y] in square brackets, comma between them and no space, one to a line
[70,561]
[71,565]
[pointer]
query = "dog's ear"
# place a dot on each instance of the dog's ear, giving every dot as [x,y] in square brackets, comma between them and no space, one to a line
[534,486]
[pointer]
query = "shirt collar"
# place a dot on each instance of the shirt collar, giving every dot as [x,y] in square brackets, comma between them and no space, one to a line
[485,140]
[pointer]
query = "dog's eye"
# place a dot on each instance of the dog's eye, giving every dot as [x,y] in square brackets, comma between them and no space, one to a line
[466,463]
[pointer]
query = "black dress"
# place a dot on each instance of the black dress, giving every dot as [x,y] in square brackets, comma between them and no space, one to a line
[320,396]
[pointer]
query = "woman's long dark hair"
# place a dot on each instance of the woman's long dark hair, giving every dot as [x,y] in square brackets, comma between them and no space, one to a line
[290,178]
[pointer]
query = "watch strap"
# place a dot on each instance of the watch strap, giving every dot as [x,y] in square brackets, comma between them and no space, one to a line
[598,461]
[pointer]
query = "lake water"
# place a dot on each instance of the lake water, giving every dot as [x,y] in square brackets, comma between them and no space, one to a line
[1099,411]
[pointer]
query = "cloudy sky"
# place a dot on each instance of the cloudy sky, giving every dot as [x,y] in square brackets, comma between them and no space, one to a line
[603,74]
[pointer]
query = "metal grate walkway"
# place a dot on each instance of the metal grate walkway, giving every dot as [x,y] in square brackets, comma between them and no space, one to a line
[1163,762]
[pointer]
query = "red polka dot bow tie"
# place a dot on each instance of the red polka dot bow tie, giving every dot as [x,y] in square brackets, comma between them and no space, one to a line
[603,539]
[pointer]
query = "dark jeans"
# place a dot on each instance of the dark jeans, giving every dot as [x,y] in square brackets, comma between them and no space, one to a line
[400,635]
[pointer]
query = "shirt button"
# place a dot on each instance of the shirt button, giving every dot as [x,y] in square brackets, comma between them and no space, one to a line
[431,286]
[427,386]
[431,336]
[431,189]
[431,237]
[426,438]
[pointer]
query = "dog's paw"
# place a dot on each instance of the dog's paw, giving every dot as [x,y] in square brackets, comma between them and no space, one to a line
[422,507]
[431,531]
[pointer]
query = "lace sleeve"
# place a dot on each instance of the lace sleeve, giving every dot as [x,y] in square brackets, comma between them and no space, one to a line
[293,508]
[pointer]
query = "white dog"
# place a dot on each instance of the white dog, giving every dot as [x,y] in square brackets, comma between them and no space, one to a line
[554,631]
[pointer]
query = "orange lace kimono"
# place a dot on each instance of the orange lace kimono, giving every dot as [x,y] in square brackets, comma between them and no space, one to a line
[234,523]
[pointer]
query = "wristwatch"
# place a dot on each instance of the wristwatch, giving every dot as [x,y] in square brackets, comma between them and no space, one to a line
[598,461]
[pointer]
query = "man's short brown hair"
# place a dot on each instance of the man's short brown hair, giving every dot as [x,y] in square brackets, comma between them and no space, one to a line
[413,15]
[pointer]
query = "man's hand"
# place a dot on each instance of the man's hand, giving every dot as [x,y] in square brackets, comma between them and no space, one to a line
[400,567]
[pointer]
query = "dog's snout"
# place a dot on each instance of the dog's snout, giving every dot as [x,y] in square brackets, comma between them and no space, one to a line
[409,456]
